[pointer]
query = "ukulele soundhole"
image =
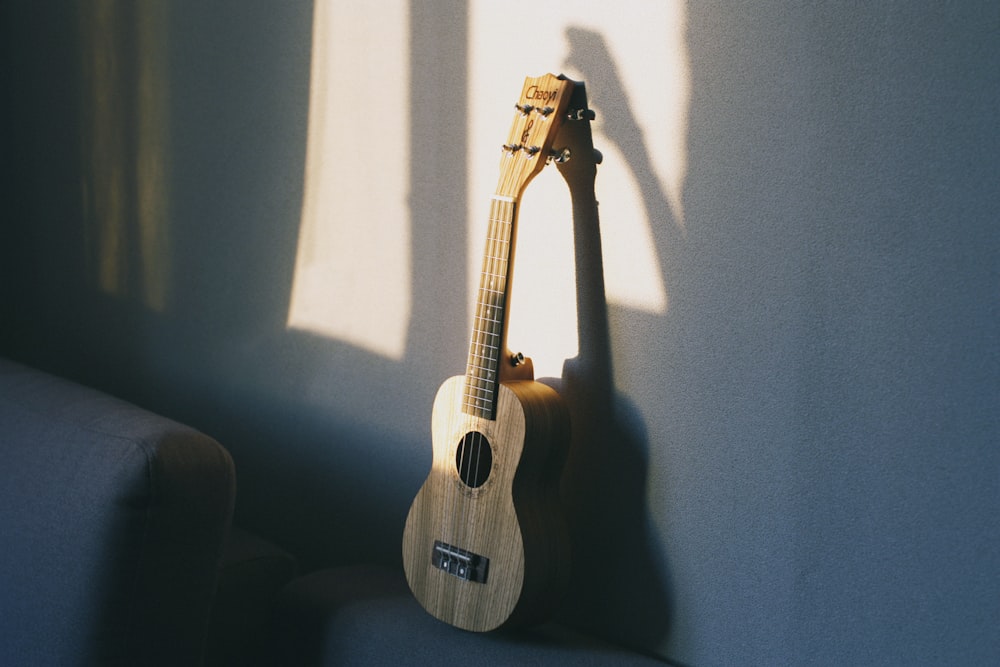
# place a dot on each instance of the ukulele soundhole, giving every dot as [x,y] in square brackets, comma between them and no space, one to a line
[474,459]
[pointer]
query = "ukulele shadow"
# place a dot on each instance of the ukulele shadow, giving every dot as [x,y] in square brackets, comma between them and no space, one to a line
[620,586]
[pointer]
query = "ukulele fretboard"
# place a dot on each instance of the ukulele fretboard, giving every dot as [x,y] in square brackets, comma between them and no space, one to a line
[487,343]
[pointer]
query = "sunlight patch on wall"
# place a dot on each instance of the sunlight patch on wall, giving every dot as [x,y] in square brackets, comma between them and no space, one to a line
[633,57]
[124,105]
[352,271]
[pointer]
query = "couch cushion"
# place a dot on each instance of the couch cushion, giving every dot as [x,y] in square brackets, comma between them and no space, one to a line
[253,570]
[365,615]
[112,521]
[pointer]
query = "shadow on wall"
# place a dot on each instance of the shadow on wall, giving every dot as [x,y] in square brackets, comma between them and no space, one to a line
[189,212]
[621,581]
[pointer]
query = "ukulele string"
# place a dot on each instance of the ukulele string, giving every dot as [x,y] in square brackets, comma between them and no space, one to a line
[486,348]
[474,402]
[487,358]
[485,362]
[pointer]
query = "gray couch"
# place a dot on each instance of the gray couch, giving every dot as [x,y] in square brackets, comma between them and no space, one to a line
[112,522]
[118,549]
[365,616]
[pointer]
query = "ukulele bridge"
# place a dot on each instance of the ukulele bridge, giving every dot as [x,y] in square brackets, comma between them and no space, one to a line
[459,562]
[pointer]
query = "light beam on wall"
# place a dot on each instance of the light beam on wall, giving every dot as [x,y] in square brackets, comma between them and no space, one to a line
[633,57]
[352,271]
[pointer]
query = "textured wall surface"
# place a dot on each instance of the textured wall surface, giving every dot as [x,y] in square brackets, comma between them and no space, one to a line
[794,461]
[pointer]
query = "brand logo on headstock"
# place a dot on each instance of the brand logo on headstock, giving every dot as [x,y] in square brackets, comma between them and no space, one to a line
[534,93]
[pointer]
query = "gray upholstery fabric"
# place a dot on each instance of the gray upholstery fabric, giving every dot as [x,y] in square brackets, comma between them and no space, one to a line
[112,521]
[252,572]
[366,616]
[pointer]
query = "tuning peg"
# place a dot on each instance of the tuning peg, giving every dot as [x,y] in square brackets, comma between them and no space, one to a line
[598,157]
[532,150]
[545,111]
[524,108]
[512,148]
[581,114]
[560,156]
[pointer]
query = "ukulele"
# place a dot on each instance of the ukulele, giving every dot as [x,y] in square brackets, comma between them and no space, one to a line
[485,545]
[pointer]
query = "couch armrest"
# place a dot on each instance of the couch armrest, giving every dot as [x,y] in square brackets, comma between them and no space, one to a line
[112,521]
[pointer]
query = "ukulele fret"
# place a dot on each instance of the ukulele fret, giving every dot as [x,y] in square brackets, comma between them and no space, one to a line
[480,395]
[482,370]
[481,382]
[488,325]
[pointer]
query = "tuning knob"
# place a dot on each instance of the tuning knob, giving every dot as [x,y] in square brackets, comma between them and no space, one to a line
[560,156]
[581,114]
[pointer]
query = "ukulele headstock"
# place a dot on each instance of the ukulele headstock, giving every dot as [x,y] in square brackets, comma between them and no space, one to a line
[539,113]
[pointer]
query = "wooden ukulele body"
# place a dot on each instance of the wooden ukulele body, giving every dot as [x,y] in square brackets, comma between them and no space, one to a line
[485,551]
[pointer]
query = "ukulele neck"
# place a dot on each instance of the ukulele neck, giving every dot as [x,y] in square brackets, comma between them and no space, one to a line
[488,342]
